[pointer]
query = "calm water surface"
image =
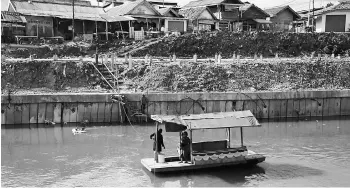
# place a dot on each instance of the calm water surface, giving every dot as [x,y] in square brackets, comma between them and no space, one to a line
[299,153]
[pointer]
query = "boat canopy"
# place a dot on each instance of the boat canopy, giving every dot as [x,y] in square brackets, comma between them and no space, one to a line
[207,121]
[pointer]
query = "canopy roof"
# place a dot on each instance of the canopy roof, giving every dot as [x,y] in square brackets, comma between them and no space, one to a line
[207,121]
[65,10]
[12,17]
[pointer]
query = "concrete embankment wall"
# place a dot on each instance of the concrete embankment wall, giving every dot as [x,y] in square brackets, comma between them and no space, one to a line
[60,108]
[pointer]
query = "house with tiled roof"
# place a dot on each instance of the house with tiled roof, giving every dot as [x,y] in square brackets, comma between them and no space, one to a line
[254,18]
[199,18]
[282,17]
[149,17]
[334,19]
[226,11]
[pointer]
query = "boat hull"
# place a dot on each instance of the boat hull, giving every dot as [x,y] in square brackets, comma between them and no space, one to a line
[172,164]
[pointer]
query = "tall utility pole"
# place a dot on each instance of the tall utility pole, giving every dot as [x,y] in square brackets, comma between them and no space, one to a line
[96,56]
[73,23]
[308,15]
[313,15]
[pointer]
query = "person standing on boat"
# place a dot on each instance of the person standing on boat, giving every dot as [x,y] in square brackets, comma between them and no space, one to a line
[185,151]
[144,102]
[158,143]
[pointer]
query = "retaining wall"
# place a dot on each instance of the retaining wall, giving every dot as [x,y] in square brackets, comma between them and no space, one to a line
[98,107]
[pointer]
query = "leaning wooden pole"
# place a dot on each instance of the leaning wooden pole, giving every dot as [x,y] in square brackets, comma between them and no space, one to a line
[156,140]
[191,145]
[242,136]
[228,137]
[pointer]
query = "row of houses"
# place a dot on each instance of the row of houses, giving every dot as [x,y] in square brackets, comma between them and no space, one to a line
[334,18]
[50,18]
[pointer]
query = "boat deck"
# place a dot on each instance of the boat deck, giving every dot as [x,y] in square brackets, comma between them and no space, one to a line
[174,165]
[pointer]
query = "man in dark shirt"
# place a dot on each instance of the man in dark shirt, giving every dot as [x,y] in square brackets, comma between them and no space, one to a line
[185,152]
[158,143]
[144,102]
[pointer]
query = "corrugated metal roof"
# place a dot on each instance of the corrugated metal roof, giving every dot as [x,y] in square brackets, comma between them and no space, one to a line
[194,12]
[124,8]
[341,6]
[58,10]
[248,6]
[274,11]
[66,2]
[12,17]
[201,3]
[127,7]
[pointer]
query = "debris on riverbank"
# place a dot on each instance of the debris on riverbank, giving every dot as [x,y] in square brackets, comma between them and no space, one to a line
[74,49]
[204,45]
[249,43]
[278,75]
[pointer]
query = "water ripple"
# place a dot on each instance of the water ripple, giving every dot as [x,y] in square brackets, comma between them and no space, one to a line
[297,155]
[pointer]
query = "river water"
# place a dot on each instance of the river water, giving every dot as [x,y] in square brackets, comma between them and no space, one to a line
[299,153]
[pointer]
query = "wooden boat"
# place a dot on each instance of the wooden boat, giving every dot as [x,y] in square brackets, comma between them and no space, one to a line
[209,153]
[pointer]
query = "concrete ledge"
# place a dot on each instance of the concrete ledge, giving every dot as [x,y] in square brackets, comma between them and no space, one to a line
[169,97]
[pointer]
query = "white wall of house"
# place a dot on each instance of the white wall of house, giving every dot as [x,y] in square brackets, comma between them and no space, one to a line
[318,24]
[321,22]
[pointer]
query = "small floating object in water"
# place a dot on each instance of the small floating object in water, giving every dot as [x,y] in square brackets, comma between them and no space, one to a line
[324,124]
[316,120]
[48,122]
[338,127]
[78,131]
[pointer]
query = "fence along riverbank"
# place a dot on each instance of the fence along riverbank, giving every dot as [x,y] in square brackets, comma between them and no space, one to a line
[79,107]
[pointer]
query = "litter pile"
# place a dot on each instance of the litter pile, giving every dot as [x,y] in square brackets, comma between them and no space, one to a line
[248,43]
[251,76]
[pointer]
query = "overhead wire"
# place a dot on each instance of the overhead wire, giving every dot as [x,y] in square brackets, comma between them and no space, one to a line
[283,4]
